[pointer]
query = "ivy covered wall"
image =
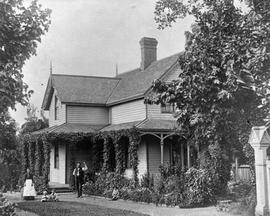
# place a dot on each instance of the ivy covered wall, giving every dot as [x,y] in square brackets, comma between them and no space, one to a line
[110,152]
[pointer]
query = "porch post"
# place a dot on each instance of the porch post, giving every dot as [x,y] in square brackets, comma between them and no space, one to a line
[188,155]
[260,140]
[182,156]
[161,149]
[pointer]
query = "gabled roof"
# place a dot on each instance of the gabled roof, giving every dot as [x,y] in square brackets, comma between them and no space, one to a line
[79,89]
[136,82]
[105,90]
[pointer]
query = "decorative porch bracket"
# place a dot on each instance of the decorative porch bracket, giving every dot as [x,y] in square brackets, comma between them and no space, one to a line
[162,137]
[260,141]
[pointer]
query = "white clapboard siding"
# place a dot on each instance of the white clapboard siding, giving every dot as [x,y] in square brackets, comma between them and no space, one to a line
[58,175]
[154,112]
[142,159]
[128,112]
[87,115]
[62,112]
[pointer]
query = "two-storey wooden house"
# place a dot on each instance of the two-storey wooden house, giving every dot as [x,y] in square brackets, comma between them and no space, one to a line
[98,104]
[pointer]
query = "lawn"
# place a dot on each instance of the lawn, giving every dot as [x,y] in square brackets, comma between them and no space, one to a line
[71,209]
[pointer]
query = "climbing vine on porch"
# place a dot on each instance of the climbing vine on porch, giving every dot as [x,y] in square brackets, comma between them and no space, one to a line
[134,140]
[109,146]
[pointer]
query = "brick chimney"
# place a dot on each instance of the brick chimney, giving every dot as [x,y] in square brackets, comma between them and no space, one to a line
[148,51]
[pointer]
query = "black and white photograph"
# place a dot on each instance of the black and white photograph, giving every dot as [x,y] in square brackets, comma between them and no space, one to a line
[134,107]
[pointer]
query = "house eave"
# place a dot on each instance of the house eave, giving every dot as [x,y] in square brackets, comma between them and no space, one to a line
[129,99]
[84,104]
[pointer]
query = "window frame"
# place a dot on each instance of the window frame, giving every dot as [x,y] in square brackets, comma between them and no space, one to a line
[167,108]
[56,156]
[56,108]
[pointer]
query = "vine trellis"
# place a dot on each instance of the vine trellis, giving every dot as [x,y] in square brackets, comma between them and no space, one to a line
[36,149]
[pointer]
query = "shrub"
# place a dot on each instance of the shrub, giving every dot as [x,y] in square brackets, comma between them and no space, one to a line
[104,183]
[198,188]
[172,199]
[242,189]
[90,188]
[147,181]
[141,195]
[40,184]
[108,193]
[125,193]
[6,208]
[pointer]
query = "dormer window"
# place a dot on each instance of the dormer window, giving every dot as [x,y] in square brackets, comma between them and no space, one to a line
[56,108]
[167,108]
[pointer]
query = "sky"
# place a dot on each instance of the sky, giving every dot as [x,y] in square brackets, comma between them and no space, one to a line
[89,37]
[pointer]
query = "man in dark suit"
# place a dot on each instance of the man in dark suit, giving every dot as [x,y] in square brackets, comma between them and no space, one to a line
[79,177]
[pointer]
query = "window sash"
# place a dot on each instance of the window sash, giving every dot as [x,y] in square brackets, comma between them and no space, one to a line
[167,108]
[56,156]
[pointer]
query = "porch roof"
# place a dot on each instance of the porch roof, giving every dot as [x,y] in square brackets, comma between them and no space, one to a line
[157,125]
[122,126]
[71,128]
[145,125]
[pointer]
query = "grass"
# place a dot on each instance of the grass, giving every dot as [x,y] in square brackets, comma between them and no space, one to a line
[71,209]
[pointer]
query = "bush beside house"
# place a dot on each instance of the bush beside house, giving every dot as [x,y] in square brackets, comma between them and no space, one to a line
[183,189]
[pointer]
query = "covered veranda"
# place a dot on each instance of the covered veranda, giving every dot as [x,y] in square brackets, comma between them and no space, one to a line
[133,149]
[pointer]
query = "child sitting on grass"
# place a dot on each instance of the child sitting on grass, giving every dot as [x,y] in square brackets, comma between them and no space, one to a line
[49,198]
[115,194]
[53,196]
[44,197]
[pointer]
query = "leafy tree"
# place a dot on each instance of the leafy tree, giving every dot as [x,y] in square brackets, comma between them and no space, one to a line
[21,30]
[33,123]
[9,157]
[223,88]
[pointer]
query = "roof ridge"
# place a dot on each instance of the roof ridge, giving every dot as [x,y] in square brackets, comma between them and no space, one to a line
[113,90]
[129,71]
[99,77]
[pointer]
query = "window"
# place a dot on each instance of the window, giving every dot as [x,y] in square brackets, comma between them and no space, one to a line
[56,108]
[126,156]
[167,108]
[56,156]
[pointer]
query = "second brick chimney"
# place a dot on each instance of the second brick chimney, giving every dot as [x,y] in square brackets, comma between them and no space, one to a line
[148,51]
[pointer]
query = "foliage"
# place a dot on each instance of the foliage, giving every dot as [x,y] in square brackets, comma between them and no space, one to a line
[141,195]
[90,188]
[6,208]
[9,155]
[33,123]
[35,154]
[21,30]
[242,189]
[223,88]
[245,193]
[198,188]
[106,182]
[119,139]
[147,181]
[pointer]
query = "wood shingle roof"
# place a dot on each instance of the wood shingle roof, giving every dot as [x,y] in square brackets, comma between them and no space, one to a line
[106,91]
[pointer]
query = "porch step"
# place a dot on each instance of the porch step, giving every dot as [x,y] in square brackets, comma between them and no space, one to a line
[61,189]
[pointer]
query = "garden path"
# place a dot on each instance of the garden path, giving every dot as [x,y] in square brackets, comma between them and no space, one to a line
[144,208]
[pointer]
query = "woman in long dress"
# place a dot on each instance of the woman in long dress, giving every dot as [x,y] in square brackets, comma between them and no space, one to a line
[29,191]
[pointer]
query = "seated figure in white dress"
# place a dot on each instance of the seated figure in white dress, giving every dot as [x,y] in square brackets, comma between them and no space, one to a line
[29,191]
